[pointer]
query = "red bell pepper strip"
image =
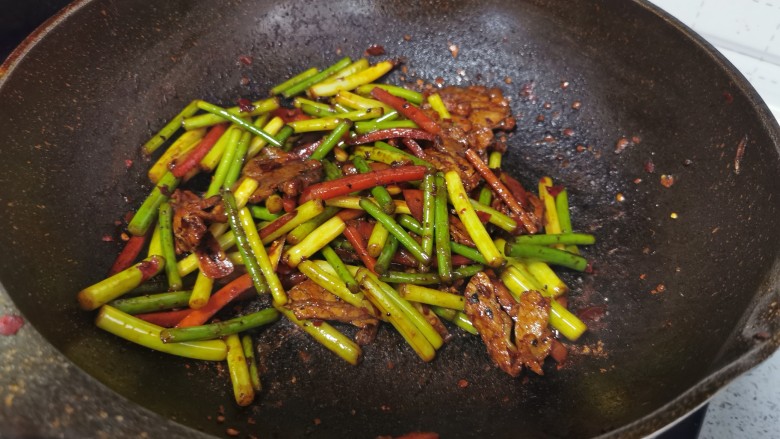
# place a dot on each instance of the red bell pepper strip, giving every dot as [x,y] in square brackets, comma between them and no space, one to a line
[501,190]
[359,182]
[289,204]
[392,133]
[484,217]
[128,255]
[350,214]
[408,110]
[414,200]
[517,189]
[414,147]
[217,301]
[166,319]
[403,257]
[277,224]
[290,114]
[196,155]
[356,239]
[365,228]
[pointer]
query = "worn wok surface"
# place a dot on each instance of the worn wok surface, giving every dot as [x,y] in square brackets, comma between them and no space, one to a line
[78,103]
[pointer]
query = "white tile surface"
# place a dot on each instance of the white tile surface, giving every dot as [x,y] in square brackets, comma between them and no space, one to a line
[745,26]
[747,32]
[748,407]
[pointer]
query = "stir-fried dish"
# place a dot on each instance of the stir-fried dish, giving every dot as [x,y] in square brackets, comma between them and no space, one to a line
[340,201]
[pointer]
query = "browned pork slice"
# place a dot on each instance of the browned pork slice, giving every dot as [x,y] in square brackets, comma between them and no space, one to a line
[310,301]
[450,161]
[275,170]
[476,111]
[515,333]
[458,232]
[191,217]
[533,337]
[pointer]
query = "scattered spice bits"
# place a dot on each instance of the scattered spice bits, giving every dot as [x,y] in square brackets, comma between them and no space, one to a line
[673,215]
[375,50]
[453,49]
[564,85]
[527,90]
[244,81]
[740,153]
[463,384]
[507,80]
[667,180]
[649,166]
[407,37]
[660,288]
[620,198]
[576,105]
[624,142]
[568,132]
[232,432]
[245,60]
[621,144]
[10,324]
[596,350]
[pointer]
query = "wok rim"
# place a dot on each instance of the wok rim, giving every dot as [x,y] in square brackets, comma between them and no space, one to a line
[653,423]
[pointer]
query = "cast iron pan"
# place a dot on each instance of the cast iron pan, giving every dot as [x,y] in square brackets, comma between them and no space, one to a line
[80,101]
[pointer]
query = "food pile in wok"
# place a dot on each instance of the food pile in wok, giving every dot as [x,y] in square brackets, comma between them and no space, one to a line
[342,201]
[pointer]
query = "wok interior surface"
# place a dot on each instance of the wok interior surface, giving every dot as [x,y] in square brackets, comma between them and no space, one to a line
[86,96]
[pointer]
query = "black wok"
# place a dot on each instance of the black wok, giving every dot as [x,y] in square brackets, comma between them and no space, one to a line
[105,74]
